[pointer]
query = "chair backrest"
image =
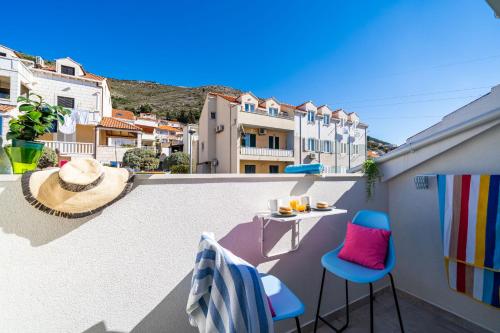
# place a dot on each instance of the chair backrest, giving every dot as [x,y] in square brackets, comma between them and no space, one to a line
[372,219]
[380,220]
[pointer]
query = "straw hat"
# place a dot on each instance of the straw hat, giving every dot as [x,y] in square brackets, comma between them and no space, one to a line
[80,188]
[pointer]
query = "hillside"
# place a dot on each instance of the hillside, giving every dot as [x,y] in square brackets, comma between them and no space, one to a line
[167,101]
[379,147]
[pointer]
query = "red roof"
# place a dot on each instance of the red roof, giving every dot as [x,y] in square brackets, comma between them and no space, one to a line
[6,108]
[227,97]
[123,114]
[109,122]
[170,128]
[146,129]
[87,75]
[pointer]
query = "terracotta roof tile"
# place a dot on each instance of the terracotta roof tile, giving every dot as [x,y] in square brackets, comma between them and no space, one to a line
[226,97]
[123,114]
[109,122]
[6,108]
[146,129]
[170,128]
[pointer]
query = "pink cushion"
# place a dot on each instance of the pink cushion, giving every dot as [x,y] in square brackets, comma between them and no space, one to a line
[365,246]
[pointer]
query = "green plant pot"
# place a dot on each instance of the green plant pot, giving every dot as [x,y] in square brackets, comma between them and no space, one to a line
[24,155]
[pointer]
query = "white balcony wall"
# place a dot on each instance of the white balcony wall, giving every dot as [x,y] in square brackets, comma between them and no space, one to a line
[128,269]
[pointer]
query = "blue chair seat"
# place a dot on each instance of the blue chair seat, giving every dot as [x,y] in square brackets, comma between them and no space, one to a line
[350,271]
[285,304]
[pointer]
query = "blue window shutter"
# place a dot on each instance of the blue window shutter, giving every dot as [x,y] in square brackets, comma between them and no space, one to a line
[1,125]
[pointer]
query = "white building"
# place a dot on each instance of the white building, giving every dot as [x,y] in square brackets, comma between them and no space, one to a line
[66,83]
[333,138]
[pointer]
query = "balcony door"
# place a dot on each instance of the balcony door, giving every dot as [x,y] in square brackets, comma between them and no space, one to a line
[274,142]
[249,140]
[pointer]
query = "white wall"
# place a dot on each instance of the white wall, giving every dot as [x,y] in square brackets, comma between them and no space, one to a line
[128,269]
[415,218]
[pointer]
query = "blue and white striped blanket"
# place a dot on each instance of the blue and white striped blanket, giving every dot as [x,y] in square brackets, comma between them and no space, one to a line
[226,294]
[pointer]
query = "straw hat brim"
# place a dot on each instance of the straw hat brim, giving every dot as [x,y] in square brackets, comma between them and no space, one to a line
[43,190]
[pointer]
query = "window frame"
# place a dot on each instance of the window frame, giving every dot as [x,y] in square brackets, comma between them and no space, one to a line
[273,112]
[213,115]
[309,112]
[247,138]
[251,166]
[250,108]
[67,97]
[274,166]
[273,142]
[65,68]
[325,122]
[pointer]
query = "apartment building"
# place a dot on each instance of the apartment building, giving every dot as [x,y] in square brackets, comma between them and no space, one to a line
[66,83]
[246,134]
[333,138]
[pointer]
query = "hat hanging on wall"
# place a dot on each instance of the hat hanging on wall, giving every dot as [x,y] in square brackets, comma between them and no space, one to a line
[81,187]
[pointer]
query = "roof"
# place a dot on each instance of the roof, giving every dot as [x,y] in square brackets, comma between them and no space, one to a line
[86,75]
[226,97]
[109,122]
[123,114]
[169,128]
[6,107]
[146,129]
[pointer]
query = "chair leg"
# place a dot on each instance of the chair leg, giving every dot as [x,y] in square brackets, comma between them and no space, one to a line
[319,300]
[297,322]
[371,308]
[318,317]
[397,303]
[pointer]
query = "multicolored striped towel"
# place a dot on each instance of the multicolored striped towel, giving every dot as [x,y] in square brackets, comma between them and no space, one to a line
[470,225]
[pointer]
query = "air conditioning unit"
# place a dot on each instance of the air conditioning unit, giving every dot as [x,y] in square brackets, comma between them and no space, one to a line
[262,131]
[219,128]
[312,156]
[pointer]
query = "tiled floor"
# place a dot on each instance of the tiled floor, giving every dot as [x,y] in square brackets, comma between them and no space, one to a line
[418,316]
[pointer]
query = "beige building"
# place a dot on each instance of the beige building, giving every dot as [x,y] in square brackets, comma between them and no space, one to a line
[244,134]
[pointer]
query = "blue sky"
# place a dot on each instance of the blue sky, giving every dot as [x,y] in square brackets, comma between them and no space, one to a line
[401,65]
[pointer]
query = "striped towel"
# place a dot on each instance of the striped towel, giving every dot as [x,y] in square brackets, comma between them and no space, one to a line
[226,294]
[470,225]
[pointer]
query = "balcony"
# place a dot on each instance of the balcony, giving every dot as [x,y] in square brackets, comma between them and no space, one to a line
[71,148]
[255,153]
[261,118]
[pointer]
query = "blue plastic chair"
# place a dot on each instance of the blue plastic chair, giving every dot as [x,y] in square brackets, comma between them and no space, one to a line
[356,273]
[285,304]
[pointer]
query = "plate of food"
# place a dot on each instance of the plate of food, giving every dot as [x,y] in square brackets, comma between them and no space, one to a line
[322,206]
[284,211]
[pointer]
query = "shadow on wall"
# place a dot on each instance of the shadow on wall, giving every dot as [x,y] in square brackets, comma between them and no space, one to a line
[100,328]
[300,270]
[40,230]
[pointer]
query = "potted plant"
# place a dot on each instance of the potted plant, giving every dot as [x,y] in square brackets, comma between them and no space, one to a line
[372,172]
[36,118]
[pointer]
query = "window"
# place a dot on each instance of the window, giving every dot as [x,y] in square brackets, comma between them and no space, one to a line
[67,70]
[343,148]
[3,54]
[66,102]
[311,144]
[274,142]
[248,140]
[212,115]
[249,168]
[202,146]
[327,146]
[5,87]
[273,112]
[326,119]
[1,125]
[249,107]
[274,169]
[310,116]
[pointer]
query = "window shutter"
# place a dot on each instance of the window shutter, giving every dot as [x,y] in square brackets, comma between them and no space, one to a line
[316,145]
[304,144]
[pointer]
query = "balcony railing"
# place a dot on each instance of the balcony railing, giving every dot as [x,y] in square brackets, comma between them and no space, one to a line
[266,152]
[71,148]
[263,112]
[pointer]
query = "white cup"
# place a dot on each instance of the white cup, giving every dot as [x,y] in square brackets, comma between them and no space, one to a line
[273,205]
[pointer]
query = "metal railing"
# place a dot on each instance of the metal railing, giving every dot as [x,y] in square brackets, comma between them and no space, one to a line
[266,152]
[263,112]
[71,148]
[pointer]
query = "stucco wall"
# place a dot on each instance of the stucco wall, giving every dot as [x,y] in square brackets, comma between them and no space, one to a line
[128,269]
[415,218]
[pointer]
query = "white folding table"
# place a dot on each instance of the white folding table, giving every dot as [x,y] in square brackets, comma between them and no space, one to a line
[267,218]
